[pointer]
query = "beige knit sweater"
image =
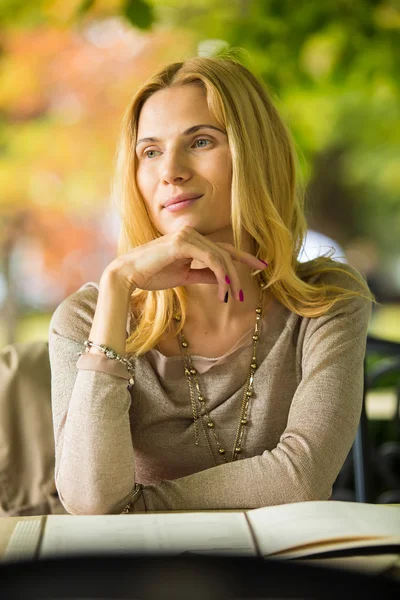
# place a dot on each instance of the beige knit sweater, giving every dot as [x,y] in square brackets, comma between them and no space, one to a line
[303,414]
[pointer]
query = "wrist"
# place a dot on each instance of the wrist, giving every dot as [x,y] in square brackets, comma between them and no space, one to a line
[109,326]
[112,281]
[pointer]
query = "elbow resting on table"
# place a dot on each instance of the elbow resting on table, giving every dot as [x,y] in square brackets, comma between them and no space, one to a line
[86,506]
[88,509]
[315,490]
[300,493]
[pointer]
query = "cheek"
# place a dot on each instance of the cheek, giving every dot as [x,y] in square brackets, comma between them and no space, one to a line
[222,171]
[144,179]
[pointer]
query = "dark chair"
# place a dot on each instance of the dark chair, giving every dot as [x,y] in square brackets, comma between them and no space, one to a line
[387,458]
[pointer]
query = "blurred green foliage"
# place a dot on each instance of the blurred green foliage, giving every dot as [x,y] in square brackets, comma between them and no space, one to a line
[42,12]
[139,13]
[346,42]
[332,67]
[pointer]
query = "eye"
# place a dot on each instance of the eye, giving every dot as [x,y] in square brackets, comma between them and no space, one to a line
[147,152]
[202,140]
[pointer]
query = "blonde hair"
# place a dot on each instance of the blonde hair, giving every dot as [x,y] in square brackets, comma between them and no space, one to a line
[266,199]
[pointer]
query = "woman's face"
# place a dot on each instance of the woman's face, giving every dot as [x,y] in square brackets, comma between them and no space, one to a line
[179,161]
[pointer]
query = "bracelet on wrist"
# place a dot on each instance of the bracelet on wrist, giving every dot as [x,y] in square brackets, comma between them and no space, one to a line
[111,354]
[136,493]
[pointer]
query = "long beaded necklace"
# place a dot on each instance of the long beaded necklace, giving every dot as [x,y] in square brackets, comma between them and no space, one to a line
[191,372]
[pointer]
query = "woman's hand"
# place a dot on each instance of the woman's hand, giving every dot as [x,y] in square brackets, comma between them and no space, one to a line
[164,263]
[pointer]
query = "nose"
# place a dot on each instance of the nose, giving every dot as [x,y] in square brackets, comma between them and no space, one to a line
[175,167]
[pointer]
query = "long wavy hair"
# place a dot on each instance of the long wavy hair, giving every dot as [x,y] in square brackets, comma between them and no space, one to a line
[267,199]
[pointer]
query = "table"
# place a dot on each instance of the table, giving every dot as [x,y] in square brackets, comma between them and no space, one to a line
[389,565]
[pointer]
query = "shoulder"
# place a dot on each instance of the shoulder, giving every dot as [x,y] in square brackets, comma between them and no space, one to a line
[346,278]
[341,275]
[73,317]
[331,272]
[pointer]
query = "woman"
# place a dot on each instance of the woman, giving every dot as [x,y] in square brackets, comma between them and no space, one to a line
[215,371]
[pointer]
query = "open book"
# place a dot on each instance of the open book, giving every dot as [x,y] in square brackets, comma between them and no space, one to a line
[291,531]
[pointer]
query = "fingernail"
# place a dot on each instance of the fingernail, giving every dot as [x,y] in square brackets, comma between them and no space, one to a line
[241,297]
[263,261]
[228,281]
[226,297]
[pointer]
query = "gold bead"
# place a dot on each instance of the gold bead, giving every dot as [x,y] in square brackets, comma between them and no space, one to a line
[256,337]
[210,424]
[253,365]
[201,398]
[177,318]
[221,450]
[193,371]
[185,344]
[238,450]
[244,422]
[249,393]
[258,311]
[187,372]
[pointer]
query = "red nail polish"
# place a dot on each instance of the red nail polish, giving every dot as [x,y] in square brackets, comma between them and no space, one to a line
[228,281]
[241,297]
[263,261]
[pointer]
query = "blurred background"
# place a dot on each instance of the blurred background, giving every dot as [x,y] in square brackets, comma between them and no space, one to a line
[68,69]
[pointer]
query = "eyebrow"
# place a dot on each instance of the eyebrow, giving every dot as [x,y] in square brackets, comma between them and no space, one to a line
[188,132]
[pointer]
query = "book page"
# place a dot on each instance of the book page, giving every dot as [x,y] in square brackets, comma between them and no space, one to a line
[24,540]
[343,546]
[295,526]
[148,533]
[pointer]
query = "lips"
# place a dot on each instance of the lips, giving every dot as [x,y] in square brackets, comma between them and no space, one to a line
[181,198]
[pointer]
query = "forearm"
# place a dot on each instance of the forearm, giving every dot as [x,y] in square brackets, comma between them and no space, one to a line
[94,462]
[109,321]
[285,475]
[95,467]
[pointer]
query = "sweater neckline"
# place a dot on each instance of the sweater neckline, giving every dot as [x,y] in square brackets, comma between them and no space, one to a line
[241,343]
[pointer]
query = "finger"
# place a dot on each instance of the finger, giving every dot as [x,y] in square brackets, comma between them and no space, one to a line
[243,257]
[231,255]
[227,254]
[189,246]
[238,256]
[201,276]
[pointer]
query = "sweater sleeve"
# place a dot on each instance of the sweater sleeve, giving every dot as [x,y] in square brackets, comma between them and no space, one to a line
[320,431]
[90,406]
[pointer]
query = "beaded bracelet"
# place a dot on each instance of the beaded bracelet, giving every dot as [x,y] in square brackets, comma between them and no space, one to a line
[114,356]
[136,493]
